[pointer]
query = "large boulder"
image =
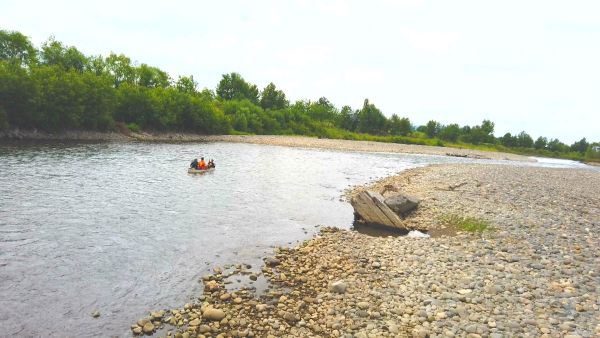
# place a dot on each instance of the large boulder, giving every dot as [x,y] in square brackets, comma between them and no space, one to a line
[402,203]
[370,207]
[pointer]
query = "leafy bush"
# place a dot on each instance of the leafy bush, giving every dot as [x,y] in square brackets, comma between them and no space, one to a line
[133,127]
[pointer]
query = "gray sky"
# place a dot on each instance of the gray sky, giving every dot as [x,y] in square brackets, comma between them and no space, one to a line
[525,65]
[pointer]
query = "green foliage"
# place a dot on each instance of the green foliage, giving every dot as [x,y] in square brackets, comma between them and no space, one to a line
[593,152]
[151,77]
[450,132]
[580,146]
[187,84]
[234,87]
[432,129]
[272,98]
[119,68]
[469,224]
[16,48]
[133,127]
[540,143]
[54,53]
[399,126]
[371,120]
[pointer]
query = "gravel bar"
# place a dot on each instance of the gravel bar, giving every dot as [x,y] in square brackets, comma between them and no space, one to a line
[535,273]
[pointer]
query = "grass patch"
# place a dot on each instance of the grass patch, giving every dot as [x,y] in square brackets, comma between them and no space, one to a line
[133,127]
[469,224]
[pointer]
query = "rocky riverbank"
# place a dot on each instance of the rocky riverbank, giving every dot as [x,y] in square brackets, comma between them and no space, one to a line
[536,273]
[277,140]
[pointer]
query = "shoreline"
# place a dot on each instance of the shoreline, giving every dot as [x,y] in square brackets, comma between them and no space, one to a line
[276,140]
[534,273]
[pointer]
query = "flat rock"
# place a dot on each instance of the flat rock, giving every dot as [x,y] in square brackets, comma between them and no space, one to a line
[402,203]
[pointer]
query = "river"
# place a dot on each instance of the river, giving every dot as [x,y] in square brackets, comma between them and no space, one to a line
[123,229]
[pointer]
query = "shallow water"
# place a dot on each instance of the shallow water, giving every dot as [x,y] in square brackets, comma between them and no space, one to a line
[123,229]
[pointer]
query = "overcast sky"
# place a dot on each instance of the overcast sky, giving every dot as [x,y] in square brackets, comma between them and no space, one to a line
[525,65]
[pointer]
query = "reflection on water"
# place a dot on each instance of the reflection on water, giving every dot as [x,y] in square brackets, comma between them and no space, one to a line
[122,228]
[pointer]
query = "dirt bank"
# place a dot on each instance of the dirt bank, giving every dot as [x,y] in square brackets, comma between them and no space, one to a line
[288,141]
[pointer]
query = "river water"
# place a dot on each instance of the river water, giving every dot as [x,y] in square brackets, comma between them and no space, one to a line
[123,229]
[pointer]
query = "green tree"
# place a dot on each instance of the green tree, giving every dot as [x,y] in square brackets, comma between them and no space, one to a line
[508,140]
[540,143]
[17,95]
[399,126]
[432,128]
[524,140]
[120,69]
[234,87]
[186,84]
[69,58]
[580,146]
[348,118]
[16,47]
[96,65]
[152,77]
[593,151]
[371,119]
[322,110]
[450,132]
[272,98]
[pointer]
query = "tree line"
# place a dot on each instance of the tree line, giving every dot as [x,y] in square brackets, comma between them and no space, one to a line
[56,87]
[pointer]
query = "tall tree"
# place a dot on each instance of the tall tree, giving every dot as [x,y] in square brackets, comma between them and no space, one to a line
[234,87]
[371,119]
[400,126]
[524,140]
[272,98]
[432,128]
[120,69]
[348,118]
[152,77]
[16,47]
[450,132]
[187,84]
[540,143]
[580,146]
[509,140]
[69,58]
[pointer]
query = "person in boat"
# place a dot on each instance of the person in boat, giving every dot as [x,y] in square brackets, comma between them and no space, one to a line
[202,164]
[211,163]
[194,164]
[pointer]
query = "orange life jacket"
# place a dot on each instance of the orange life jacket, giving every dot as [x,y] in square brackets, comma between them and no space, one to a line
[202,165]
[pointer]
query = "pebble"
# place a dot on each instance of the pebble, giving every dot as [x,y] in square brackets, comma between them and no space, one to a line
[148,328]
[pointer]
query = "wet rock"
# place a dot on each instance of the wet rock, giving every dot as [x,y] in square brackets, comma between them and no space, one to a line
[213,314]
[270,261]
